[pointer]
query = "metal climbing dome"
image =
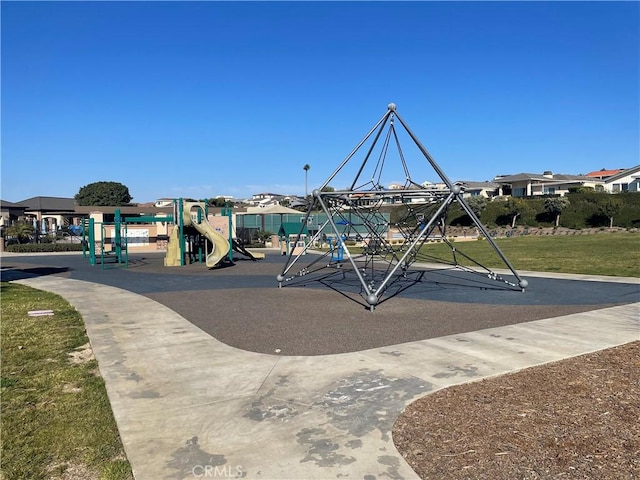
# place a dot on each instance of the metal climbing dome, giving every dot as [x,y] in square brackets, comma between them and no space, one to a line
[369,256]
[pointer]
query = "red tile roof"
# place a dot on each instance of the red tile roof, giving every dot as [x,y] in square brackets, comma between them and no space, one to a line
[604,173]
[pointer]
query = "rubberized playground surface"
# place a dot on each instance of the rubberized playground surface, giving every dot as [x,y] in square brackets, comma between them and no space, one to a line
[242,306]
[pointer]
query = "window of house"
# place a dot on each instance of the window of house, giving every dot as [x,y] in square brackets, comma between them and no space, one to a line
[519,192]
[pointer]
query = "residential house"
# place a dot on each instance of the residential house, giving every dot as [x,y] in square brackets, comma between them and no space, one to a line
[265,199]
[298,202]
[548,183]
[163,202]
[625,181]
[10,212]
[478,189]
[604,173]
[436,187]
[51,213]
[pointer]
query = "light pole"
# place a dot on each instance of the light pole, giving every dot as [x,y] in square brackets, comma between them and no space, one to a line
[306,172]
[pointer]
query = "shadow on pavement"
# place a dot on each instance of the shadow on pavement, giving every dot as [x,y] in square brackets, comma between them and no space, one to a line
[9,273]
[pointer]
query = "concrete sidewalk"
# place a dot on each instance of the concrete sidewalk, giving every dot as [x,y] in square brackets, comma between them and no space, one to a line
[188,406]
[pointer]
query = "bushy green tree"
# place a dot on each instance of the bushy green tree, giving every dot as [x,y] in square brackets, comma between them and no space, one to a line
[477,204]
[555,206]
[516,207]
[104,194]
[610,207]
[219,202]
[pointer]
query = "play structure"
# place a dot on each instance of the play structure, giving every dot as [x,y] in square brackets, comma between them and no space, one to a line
[190,214]
[193,236]
[385,258]
[219,245]
[292,239]
[94,241]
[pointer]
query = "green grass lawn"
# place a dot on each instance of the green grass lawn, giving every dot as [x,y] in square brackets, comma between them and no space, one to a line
[56,416]
[616,254]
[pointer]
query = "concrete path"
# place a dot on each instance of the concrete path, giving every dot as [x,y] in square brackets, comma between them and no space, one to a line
[188,406]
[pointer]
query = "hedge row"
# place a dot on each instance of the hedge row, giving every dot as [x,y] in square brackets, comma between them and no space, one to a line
[583,212]
[43,247]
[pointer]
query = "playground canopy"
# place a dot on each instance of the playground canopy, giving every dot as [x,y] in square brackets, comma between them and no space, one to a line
[273,209]
[288,229]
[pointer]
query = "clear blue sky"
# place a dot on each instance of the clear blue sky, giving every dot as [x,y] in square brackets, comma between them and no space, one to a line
[199,99]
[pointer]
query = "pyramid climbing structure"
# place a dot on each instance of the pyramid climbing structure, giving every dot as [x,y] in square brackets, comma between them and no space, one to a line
[369,257]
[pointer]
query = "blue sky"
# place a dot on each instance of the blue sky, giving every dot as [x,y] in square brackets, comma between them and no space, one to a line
[200,99]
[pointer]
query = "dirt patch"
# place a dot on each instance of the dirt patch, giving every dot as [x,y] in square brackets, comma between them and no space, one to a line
[81,354]
[576,419]
[70,471]
[70,388]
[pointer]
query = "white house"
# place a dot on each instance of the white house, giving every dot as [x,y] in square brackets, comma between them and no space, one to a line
[265,199]
[532,184]
[626,181]
[478,189]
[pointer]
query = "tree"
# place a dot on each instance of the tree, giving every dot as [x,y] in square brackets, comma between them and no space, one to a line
[263,236]
[20,230]
[104,194]
[219,202]
[555,206]
[477,204]
[516,207]
[609,207]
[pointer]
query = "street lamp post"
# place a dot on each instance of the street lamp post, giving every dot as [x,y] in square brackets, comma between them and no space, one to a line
[306,172]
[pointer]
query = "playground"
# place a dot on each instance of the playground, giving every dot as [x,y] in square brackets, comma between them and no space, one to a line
[242,306]
[377,284]
[388,261]
[187,235]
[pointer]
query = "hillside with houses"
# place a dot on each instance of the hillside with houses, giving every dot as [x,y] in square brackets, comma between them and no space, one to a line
[585,206]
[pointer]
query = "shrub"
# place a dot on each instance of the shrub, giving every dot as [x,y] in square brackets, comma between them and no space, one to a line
[583,211]
[44,247]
